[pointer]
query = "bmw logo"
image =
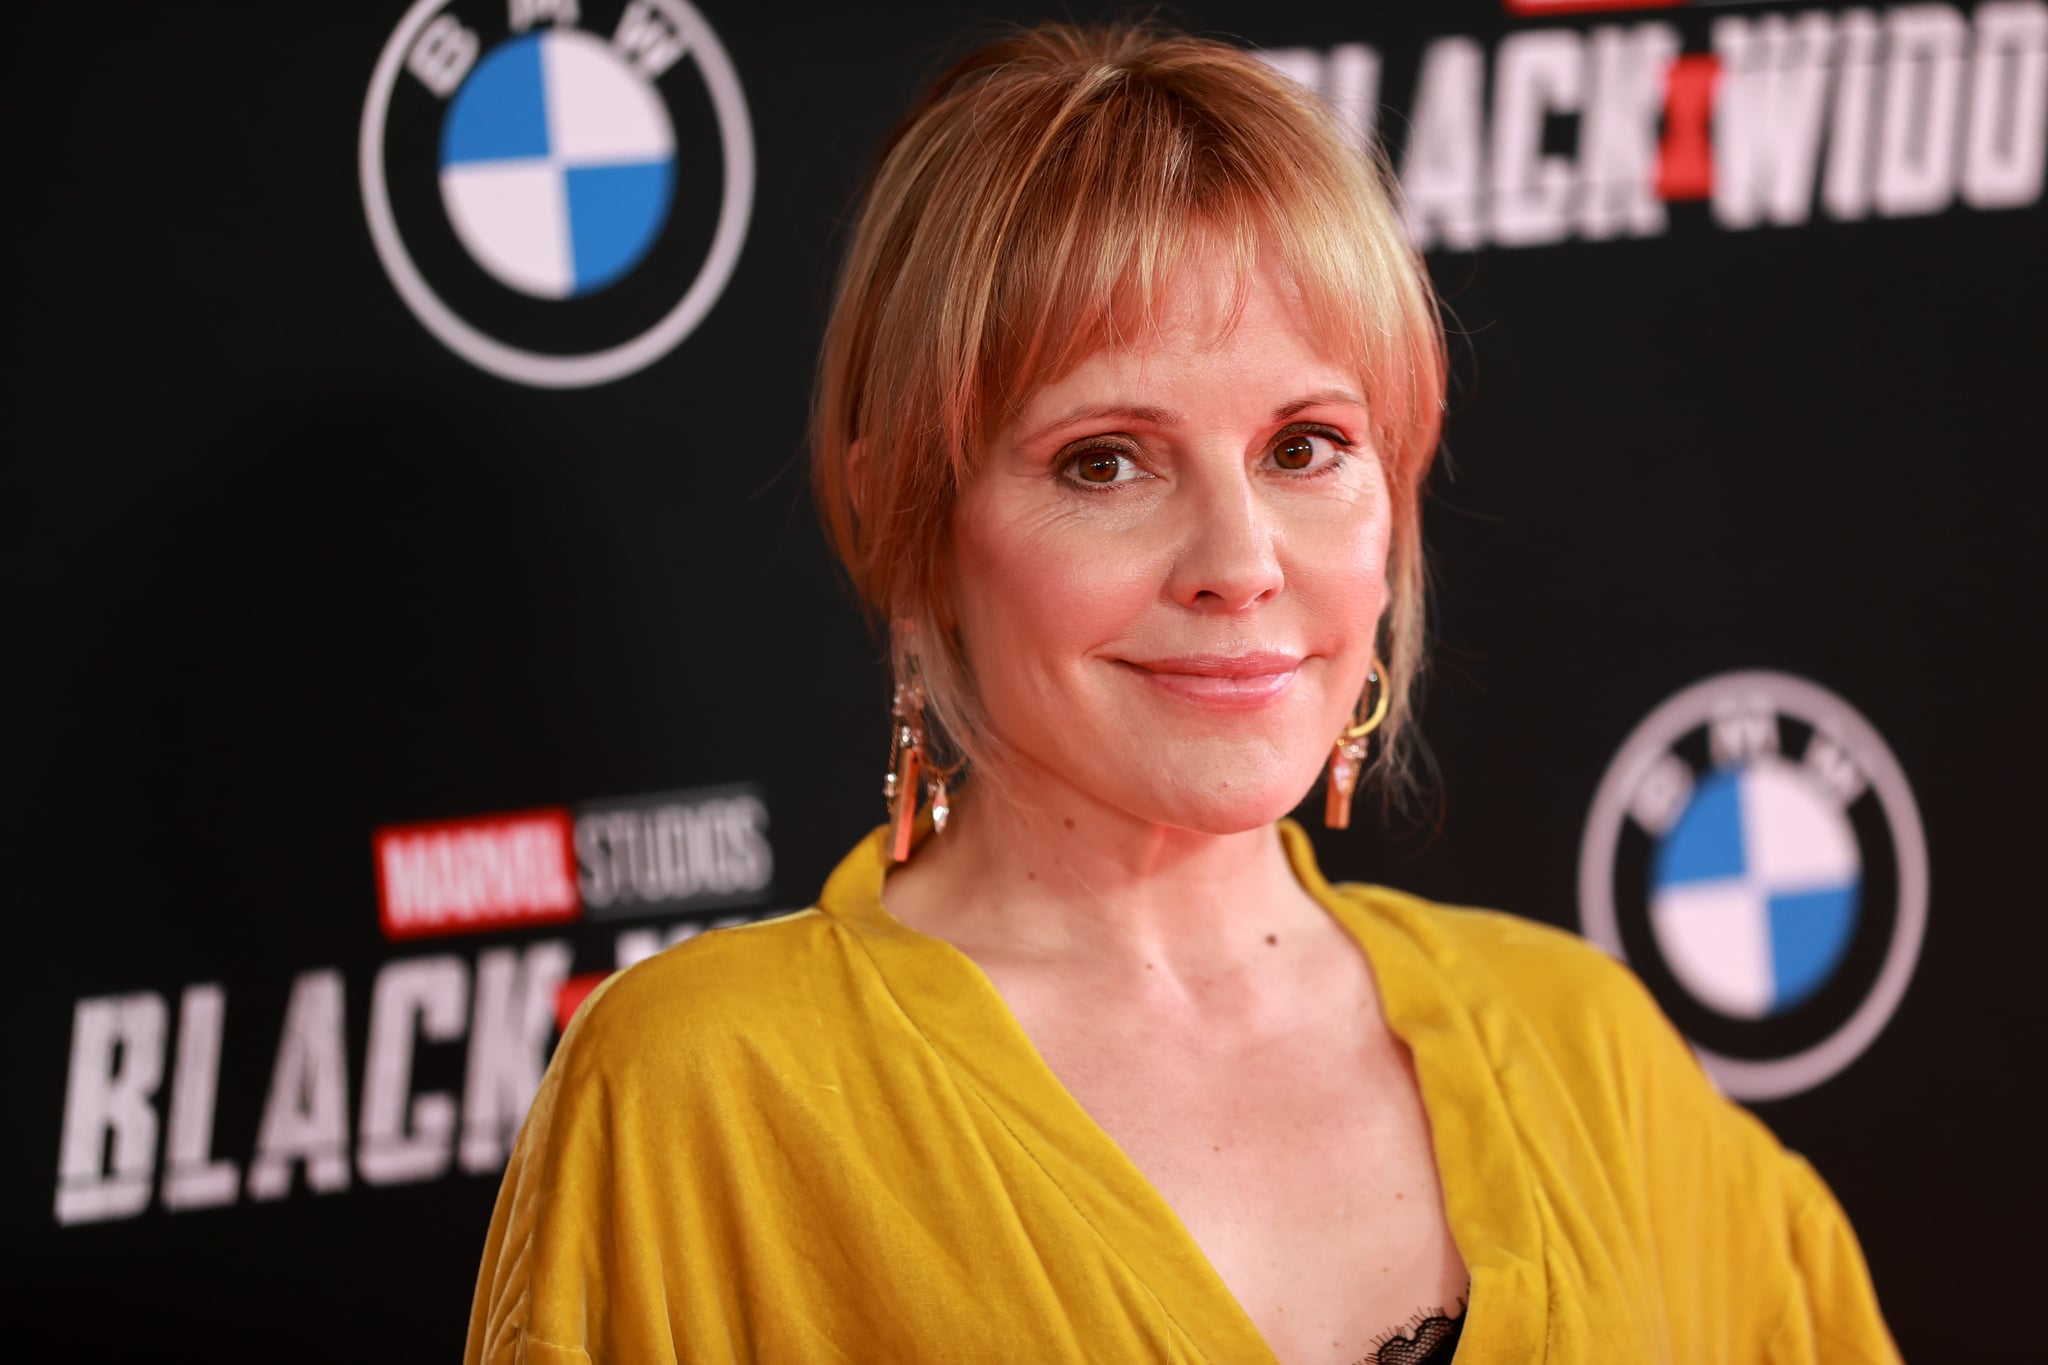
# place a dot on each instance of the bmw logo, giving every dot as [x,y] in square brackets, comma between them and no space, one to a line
[558,194]
[1755,853]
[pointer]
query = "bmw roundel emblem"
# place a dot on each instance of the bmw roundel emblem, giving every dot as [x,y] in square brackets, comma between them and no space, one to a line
[558,193]
[1755,853]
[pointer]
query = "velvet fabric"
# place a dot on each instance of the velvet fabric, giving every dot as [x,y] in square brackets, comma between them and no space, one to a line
[825,1138]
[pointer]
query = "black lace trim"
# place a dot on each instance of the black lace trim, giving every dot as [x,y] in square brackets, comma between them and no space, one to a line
[1425,1339]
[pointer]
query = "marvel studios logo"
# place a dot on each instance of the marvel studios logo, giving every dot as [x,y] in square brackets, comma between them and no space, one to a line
[666,853]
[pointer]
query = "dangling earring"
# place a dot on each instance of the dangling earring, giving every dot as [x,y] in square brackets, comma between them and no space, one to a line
[1347,756]
[906,766]
[910,770]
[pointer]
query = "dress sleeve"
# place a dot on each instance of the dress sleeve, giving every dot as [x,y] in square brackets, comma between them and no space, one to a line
[573,1264]
[1834,1315]
[1754,1251]
[557,1163]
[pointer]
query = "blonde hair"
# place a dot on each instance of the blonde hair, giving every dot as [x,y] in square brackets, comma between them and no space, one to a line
[1027,212]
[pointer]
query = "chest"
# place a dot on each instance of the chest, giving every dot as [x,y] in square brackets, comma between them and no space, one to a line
[1301,1164]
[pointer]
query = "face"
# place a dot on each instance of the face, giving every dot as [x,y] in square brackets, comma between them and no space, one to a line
[1169,569]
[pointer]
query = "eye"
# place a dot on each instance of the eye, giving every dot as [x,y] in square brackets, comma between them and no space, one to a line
[1295,452]
[1101,466]
[1307,451]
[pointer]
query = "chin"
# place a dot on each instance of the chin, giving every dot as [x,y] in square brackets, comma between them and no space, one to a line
[1228,799]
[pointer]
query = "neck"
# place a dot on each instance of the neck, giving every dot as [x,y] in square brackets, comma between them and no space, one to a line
[1036,869]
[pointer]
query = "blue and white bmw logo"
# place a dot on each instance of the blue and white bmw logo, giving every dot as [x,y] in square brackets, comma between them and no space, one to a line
[558,194]
[1755,853]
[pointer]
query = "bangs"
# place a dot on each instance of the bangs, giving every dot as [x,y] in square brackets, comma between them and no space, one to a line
[1108,284]
[1144,181]
[1039,204]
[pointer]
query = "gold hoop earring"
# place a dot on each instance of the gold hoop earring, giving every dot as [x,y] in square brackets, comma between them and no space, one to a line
[1347,756]
[910,770]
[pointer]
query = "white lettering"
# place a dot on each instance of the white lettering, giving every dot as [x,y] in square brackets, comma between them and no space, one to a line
[1660,796]
[193,1178]
[1618,140]
[2003,158]
[524,14]
[1830,763]
[1923,79]
[305,1118]
[651,35]
[1541,72]
[1846,189]
[429,995]
[443,55]
[513,1024]
[635,946]
[748,860]
[403,872]
[497,871]
[1742,732]
[674,852]
[117,1061]
[597,872]
[1441,168]
[1302,65]
[1352,85]
[1767,116]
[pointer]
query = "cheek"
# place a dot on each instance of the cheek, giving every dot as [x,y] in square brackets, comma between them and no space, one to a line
[1369,561]
[1039,590]
[1340,561]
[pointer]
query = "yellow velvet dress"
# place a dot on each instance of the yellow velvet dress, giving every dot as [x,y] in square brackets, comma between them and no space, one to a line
[825,1138]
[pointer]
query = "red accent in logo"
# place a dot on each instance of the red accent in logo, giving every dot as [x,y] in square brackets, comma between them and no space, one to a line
[1685,159]
[571,994]
[471,875]
[1532,8]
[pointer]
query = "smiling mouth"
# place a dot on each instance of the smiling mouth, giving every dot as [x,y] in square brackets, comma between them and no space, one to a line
[1242,682]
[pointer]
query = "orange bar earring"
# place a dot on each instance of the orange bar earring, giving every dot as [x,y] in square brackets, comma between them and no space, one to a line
[905,781]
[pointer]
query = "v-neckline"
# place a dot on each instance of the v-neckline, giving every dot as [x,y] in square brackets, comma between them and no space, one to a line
[1489,1193]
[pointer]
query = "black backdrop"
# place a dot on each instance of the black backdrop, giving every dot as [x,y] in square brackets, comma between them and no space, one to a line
[285,569]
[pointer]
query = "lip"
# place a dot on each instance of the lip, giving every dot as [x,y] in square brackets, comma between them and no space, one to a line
[1225,682]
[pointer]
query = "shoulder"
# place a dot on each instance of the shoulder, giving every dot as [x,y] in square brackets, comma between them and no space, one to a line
[1750,1243]
[1542,1000]
[1572,1023]
[647,1121]
[1542,970]
[701,1002]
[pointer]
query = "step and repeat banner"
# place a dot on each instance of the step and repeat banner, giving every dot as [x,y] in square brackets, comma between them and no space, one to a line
[418,613]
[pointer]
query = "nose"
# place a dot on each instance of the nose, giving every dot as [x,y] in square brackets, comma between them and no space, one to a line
[1229,556]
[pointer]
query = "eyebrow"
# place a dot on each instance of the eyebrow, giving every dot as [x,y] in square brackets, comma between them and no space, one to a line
[1320,398]
[1166,417]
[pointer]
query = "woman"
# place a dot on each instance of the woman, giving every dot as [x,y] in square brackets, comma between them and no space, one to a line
[1125,408]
